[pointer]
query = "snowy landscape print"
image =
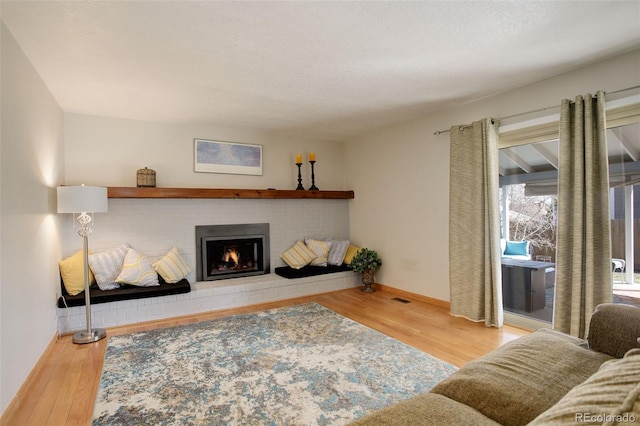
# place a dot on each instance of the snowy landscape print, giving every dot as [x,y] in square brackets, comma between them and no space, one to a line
[227,157]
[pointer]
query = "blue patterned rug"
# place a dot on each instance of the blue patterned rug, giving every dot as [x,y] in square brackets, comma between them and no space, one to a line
[299,365]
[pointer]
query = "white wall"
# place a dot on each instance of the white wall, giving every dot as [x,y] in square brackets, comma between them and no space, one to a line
[108,151]
[400,175]
[31,167]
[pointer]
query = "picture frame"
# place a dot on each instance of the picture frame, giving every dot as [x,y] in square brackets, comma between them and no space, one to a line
[211,156]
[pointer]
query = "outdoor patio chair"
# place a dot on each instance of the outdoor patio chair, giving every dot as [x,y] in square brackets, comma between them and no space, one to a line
[617,265]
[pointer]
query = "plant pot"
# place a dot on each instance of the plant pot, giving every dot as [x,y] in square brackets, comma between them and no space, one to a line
[367,280]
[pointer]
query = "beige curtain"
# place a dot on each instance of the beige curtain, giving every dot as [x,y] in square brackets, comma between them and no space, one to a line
[475,277]
[583,260]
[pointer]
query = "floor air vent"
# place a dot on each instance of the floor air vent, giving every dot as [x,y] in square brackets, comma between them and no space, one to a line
[397,299]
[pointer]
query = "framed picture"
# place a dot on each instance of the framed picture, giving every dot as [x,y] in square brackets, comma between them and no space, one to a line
[227,157]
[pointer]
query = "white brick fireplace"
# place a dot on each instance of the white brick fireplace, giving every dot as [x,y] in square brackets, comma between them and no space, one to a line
[153,226]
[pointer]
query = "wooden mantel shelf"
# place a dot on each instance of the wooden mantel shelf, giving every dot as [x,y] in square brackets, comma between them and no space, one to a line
[135,192]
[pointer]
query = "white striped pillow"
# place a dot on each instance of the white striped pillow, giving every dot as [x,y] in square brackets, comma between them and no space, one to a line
[298,255]
[172,267]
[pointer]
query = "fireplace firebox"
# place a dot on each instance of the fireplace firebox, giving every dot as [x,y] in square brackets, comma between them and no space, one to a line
[231,251]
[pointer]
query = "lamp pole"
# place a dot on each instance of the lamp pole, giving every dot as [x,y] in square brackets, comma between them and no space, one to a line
[90,335]
[79,200]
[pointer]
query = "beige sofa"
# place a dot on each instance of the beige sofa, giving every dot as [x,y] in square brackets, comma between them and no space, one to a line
[544,378]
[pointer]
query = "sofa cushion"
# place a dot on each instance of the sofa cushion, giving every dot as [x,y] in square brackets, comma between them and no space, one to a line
[124,292]
[517,248]
[426,409]
[310,270]
[515,383]
[614,329]
[610,396]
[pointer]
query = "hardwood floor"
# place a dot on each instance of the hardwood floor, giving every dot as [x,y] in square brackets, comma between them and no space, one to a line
[62,388]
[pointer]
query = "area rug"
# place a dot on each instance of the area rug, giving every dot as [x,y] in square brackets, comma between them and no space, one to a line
[299,365]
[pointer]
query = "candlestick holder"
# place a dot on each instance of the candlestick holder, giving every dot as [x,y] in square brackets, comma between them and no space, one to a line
[300,187]
[313,186]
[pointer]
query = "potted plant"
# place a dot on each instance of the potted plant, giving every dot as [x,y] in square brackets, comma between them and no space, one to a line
[366,262]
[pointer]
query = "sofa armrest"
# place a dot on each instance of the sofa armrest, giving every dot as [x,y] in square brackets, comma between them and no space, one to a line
[614,329]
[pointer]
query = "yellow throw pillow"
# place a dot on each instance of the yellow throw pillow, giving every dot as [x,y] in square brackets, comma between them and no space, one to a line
[172,267]
[351,251]
[298,255]
[72,273]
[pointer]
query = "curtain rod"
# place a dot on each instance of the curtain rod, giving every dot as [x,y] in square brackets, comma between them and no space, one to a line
[438,132]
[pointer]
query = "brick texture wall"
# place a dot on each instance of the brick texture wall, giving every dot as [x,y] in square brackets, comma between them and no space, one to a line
[153,226]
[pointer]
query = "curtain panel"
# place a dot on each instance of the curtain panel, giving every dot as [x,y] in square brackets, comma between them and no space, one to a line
[583,259]
[475,276]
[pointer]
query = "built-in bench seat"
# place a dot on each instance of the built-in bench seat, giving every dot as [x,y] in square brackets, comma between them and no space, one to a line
[310,270]
[125,292]
[128,292]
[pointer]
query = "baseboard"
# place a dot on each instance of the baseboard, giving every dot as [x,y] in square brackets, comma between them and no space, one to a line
[415,296]
[28,384]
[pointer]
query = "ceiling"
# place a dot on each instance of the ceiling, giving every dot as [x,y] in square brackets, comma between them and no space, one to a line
[308,69]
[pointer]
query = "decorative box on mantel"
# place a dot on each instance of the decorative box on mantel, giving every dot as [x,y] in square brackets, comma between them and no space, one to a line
[146,178]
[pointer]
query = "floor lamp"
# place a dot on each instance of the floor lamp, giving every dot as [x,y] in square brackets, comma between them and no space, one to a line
[83,201]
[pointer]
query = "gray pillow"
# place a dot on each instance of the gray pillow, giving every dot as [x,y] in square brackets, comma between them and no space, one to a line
[337,252]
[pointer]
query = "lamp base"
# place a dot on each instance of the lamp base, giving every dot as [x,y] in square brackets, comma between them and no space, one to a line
[82,337]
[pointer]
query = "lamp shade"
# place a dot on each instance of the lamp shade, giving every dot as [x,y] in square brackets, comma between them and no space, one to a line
[82,199]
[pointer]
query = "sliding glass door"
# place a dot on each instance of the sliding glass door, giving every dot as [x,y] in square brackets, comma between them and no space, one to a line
[625,213]
[528,188]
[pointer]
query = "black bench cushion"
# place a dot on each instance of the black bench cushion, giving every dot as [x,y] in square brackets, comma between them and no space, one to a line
[310,270]
[125,292]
